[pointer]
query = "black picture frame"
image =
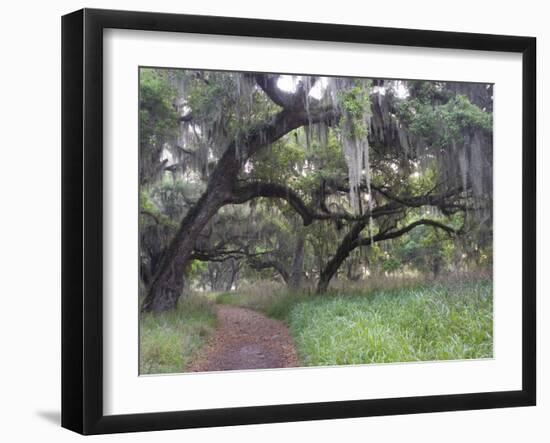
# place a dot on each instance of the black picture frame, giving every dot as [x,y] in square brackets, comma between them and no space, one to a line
[82,218]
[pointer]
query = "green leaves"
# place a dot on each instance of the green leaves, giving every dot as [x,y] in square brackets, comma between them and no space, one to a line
[426,138]
[225,104]
[157,114]
[442,122]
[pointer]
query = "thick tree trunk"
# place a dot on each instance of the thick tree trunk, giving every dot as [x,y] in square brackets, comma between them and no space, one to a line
[167,285]
[233,275]
[352,241]
[340,256]
[296,270]
[214,277]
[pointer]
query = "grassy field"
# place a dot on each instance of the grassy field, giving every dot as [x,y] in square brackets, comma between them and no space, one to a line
[444,321]
[169,341]
[437,321]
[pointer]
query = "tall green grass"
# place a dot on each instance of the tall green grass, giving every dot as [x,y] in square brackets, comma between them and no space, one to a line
[169,341]
[384,324]
[418,322]
[438,322]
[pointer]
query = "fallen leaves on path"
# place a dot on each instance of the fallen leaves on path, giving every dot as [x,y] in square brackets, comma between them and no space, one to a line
[246,339]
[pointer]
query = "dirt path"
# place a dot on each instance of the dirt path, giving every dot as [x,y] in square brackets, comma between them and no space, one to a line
[246,339]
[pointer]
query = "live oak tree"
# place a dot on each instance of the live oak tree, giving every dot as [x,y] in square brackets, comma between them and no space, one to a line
[218,130]
[356,161]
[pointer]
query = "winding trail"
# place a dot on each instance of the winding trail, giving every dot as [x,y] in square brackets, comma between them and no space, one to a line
[246,339]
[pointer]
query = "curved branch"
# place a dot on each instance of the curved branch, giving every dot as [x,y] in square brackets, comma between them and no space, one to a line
[273,190]
[216,255]
[268,84]
[284,122]
[250,191]
[394,234]
[267,264]
[150,214]
[351,241]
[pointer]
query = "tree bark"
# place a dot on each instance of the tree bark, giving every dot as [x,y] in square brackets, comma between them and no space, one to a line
[296,270]
[168,282]
[233,275]
[258,265]
[352,241]
[343,251]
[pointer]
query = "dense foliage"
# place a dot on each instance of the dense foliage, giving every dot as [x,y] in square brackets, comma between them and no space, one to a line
[378,177]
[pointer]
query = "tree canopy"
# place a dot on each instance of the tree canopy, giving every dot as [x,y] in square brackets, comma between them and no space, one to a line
[306,179]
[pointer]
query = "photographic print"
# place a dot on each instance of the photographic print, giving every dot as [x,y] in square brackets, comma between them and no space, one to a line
[307,220]
[317,236]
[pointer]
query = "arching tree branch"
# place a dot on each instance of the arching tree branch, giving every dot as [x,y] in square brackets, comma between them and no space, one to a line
[268,84]
[398,233]
[273,190]
[250,191]
[352,241]
[259,265]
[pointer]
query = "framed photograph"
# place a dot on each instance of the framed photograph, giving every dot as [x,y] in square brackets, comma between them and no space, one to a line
[269,221]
